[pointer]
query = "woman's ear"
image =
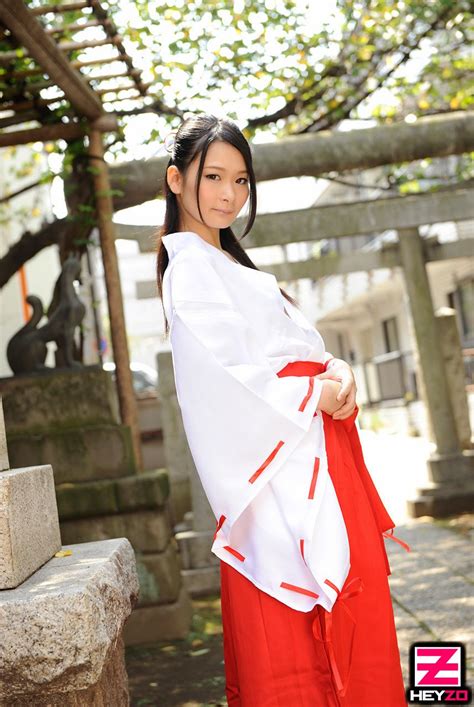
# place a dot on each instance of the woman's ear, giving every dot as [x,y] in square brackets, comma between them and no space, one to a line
[173,177]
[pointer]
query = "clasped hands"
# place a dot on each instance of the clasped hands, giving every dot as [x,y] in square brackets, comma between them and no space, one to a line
[338,397]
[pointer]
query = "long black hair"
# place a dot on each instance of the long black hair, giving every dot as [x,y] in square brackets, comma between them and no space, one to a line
[194,136]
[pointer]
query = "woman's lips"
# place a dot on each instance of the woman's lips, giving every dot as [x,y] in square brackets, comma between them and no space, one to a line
[227,213]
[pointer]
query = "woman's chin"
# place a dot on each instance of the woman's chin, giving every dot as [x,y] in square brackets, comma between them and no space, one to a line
[222,219]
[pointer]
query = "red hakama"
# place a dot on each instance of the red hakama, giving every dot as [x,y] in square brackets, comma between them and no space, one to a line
[276,656]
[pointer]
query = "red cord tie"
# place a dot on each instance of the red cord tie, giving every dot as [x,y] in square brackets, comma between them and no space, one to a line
[389,534]
[357,587]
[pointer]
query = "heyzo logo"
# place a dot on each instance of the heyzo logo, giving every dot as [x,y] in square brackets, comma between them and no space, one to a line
[438,674]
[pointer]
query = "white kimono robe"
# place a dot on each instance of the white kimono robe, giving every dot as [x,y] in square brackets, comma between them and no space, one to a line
[255,439]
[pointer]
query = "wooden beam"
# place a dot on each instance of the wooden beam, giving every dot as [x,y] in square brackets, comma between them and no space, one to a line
[18,118]
[64,131]
[57,131]
[126,395]
[38,71]
[29,32]
[40,85]
[7,57]
[111,31]
[59,8]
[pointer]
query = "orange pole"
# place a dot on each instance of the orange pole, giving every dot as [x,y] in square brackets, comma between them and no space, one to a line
[24,293]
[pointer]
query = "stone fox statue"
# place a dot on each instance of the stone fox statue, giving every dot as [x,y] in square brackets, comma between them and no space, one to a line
[26,350]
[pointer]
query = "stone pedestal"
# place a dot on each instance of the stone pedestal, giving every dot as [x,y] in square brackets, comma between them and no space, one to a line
[451,490]
[71,419]
[61,629]
[60,625]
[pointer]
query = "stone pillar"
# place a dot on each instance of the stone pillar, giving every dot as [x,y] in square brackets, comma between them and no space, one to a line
[200,567]
[452,354]
[450,469]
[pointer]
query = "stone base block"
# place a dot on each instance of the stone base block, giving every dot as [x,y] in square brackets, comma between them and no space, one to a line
[166,622]
[441,502]
[180,498]
[60,627]
[76,453]
[110,689]
[452,489]
[202,581]
[148,531]
[452,469]
[195,548]
[29,524]
[145,491]
[59,398]
[159,576]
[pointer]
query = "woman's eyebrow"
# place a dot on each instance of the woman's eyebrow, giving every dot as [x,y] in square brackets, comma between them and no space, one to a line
[214,166]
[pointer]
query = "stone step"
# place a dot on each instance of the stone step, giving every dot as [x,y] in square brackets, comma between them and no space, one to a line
[144,491]
[165,622]
[159,574]
[148,531]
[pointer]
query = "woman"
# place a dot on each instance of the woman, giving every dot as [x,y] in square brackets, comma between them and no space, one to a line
[270,421]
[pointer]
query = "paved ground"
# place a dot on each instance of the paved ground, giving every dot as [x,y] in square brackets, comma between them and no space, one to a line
[431,586]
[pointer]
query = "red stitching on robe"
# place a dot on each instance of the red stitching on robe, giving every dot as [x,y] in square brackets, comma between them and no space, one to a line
[300,590]
[314,479]
[308,394]
[219,525]
[235,553]
[332,585]
[267,461]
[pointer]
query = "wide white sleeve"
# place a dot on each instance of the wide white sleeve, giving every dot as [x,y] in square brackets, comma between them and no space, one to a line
[241,420]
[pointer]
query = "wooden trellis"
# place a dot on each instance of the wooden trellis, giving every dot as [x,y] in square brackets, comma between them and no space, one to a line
[42,53]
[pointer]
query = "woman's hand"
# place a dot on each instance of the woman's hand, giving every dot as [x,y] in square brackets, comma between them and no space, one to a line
[328,401]
[340,371]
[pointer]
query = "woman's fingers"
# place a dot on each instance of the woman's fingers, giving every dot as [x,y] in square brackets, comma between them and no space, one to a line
[347,408]
[347,390]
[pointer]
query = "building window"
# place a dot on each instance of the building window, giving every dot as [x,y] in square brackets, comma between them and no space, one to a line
[390,335]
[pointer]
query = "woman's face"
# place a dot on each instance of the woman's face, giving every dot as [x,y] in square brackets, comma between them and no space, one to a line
[223,191]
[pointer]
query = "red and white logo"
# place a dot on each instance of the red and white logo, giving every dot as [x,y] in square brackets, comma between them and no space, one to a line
[437,666]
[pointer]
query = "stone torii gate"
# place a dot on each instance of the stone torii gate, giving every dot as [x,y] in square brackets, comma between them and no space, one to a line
[451,468]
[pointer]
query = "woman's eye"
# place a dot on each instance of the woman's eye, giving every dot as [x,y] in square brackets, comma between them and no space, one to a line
[209,176]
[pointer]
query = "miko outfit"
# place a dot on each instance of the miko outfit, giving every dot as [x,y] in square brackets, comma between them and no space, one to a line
[306,609]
